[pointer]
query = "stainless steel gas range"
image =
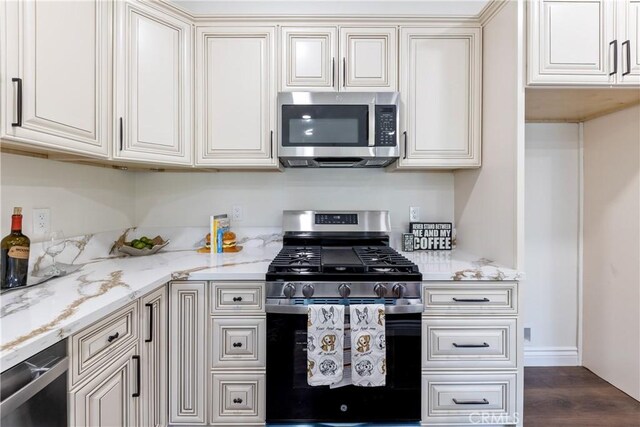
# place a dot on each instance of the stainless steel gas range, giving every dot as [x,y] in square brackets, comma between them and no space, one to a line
[331,257]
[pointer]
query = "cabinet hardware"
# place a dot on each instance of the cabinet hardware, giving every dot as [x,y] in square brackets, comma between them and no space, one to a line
[237,400]
[333,72]
[113,337]
[18,102]
[344,72]
[615,57]
[628,43]
[121,134]
[150,322]
[404,134]
[237,344]
[271,146]
[471,299]
[137,393]
[471,402]
[237,299]
[483,345]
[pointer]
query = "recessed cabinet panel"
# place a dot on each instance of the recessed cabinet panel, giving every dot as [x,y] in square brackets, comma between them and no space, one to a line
[629,39]
[309,58]
[61,53]
[369,59]
[441,91]
[236,97]
[153,86]
[238,342]
[240,398]
[572,42]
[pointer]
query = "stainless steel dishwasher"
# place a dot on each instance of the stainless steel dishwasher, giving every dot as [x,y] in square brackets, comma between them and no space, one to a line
[34,392]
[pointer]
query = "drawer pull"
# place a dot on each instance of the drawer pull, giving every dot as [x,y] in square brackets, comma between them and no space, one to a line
[471,299]
[471,402]
[237,344]
[113,337]
[483,345]
[237,299]
[137,359]
[237,401]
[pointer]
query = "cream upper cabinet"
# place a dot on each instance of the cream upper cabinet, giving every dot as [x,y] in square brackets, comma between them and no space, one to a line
[369,59]
[153,86]
[629,39]
[440,83]
[575,42]
[339,59]
[57,74]
[236,97]
[309,58]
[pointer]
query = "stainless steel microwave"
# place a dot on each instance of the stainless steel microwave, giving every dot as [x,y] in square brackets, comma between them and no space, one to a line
[338,129]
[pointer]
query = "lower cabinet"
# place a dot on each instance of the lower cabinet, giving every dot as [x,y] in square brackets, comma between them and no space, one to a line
[127,384]
[238,398]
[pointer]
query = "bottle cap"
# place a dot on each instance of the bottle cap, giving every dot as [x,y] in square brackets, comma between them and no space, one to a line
[17,211]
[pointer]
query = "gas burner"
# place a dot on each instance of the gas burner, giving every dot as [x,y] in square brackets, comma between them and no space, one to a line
[383,269]
[299,269]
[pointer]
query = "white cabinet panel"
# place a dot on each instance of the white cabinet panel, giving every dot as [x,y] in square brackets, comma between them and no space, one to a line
[369,59]
[153,86]
[153,342]
[571,42]
[238,342]
[240,398]
[309,58]
[629,39]
[236,95]
[441,94]
[60,52]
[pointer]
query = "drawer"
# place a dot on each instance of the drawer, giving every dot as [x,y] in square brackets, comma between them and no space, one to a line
[102,340]
[230,298]
[238,398]
[468,343]
[470,298]
[238,342]
[467,398]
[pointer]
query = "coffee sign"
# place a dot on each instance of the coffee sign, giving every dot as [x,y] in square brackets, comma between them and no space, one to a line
[432,236]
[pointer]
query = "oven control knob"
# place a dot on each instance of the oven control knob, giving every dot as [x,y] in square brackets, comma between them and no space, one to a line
[380,289]
[289,290]
[307,291]
[344,290]
[399,289]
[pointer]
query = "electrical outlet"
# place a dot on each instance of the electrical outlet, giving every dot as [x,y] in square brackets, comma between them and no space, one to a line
[527,334]
[414,214]
[236,214]
[41,221]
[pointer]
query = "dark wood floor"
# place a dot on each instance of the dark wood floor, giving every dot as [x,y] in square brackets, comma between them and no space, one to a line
[574,396]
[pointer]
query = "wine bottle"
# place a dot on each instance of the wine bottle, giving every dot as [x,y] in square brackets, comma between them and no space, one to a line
[15,254]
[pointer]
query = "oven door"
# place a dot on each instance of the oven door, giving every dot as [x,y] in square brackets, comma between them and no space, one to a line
[291,399]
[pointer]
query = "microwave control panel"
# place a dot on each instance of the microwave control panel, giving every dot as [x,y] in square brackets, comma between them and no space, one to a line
[386,126]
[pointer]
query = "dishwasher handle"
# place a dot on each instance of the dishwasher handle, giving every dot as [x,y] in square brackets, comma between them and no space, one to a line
[15,400]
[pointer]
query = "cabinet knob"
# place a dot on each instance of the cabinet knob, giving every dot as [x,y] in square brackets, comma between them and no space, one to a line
[237,344]
[237,400]
[113,337]
[237,299]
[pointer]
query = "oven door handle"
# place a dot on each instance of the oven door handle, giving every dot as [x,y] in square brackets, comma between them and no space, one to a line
[303,309]
[14,401]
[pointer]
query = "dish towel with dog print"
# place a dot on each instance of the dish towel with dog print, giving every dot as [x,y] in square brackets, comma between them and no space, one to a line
[368,345]
[325,344]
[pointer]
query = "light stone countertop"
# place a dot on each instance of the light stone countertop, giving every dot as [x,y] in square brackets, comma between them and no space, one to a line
[33,318]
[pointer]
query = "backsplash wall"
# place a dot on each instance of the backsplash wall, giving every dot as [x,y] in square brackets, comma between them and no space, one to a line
[187,199]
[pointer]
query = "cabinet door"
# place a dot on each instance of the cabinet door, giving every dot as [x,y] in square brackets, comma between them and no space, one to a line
[441,88]
[369,59]
[571,42]
[187,352]
[59,52]
[108,399]
[629,39]
[309,58]
[236,97]
[153,342]
[153,86]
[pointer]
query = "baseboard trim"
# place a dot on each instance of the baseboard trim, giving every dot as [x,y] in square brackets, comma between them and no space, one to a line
[551,356]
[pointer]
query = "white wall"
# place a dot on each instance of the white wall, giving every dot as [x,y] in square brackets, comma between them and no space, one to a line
[611,328]
[552,214]
[82,199]
[187,199]
[486,199]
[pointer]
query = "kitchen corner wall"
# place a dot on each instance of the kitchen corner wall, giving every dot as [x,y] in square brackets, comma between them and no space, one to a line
[188,198]
[82,199]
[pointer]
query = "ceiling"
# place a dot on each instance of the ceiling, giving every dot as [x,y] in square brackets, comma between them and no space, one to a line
[446,8]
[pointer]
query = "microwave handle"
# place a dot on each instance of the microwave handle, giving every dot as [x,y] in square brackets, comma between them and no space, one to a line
[371,125]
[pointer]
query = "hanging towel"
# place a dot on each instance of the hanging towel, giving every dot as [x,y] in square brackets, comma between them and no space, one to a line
[325,344]
[368,345]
